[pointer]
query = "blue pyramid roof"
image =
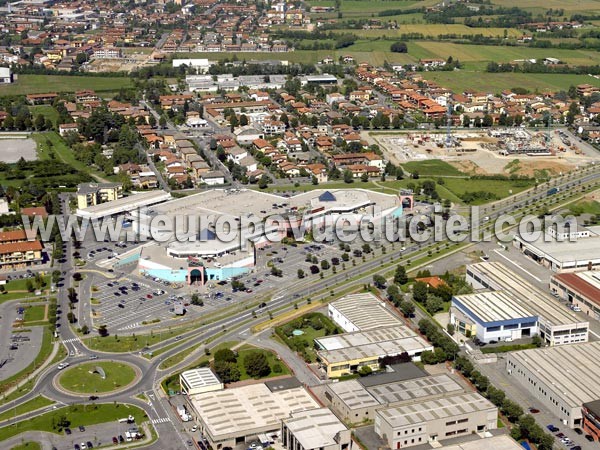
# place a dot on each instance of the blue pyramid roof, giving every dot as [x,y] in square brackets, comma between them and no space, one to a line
[206,235]
[327,197]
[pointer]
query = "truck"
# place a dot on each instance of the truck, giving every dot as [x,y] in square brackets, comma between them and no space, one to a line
[183,413]
[552,191]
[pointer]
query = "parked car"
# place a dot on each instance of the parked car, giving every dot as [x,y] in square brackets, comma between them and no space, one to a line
[93,397]
[81,428]
[589,437]
[89,444]
[533,410]
[578,430]
[67,431]
[552,428]
[115,440]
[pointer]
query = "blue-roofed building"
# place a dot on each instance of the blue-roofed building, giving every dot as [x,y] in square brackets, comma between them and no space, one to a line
[494,315]
[327,197]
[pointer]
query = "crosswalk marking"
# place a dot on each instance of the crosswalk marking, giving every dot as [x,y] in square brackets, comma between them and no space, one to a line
[130,326]
[68,341]
[161,420]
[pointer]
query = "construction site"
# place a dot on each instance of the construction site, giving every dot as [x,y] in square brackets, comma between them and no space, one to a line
[488,151]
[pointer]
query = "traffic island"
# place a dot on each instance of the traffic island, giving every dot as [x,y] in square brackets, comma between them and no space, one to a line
[98,377]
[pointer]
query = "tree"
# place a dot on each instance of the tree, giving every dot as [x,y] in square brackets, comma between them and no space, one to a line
[379,281]
[29,285]
[365,371]
[451,329]
[162,122]
[102,331]
[233,122]
[263,182]
[225,354]
[196,300]
[85,329]
[495,395]
[400,276]
[314,269]
[399,47]
[546,442]
[428,357]
[300,273]
[420,292]
[348,177]
[56,276]
[243,120]
[364,177]
[407,308]
[433,304]
[152,120]
[40,122]
[325,264]
[257,365]
[71,317]
[511,410]
[227,372]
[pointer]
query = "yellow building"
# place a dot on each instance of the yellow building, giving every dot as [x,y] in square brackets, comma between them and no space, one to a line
[15,254]
[91,194]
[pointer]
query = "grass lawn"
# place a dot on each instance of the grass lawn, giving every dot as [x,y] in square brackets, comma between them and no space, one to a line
[461,80]
[17,289]
[80,378]
[272,358]
[120,344]
[313,326]
[432,168]
[584,207]
[500,188]
[34,313]
[178,357]
[30,405]
[30,84]
[49,112]
[76,415]
[31,445]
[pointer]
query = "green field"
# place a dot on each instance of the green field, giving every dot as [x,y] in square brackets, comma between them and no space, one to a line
[500,188]
[31,445]
[80,378]
[76,415]
[432,167]
[313,326]
[486,53]
[36,84]
[461,80]
[30,405]
[47,111]
[271,358]
[432,30]
[585,6]
[585,207]
[34,313]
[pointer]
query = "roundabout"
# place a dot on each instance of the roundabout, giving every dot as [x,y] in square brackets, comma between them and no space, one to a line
[97,377]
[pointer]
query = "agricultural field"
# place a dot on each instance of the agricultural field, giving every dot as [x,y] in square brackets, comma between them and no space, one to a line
[570,7]
[30,84]
[461,80]
[433,30]
[432,167]
[486,53]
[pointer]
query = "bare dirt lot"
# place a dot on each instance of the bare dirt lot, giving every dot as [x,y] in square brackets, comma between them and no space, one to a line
[475,152]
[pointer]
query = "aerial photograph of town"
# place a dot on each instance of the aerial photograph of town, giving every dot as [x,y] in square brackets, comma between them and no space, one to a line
[300,224]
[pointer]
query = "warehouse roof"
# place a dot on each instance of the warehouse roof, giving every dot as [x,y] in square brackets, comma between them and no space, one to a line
[494,306]
[248,408]
[409,390]
[530,297]
[365,311]
[315,428]
[423,412]
[565,251]
[358,338]
[198,378]
[501,442]
[409,345]
[353,394]
[586,283]
[570,370]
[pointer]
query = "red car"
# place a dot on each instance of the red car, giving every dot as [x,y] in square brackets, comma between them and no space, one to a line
[149,296]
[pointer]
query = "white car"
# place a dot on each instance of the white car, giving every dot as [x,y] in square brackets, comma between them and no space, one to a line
[82,446]
[195,428]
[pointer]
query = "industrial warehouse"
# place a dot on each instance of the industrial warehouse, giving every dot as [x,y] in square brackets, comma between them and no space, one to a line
[360,312]
[524,311]
[228,417]
[581,290]
[562,378]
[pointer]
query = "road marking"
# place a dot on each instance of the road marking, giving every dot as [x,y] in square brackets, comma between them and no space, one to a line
[515,264]
[161,420]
